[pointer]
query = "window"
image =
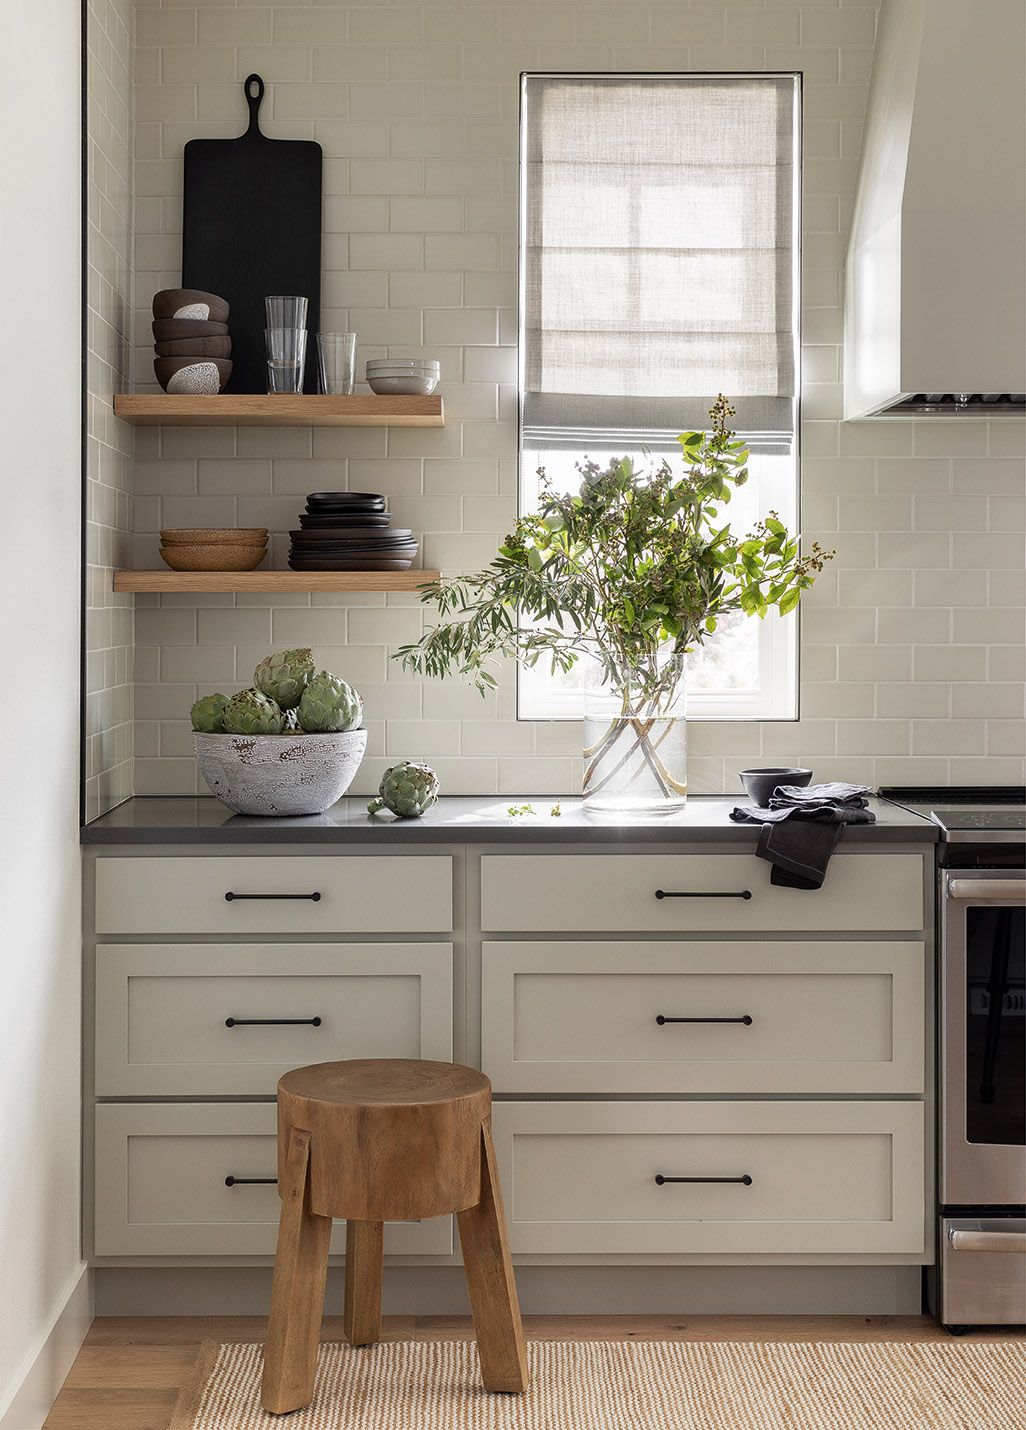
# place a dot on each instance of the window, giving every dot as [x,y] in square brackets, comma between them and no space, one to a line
[659,266]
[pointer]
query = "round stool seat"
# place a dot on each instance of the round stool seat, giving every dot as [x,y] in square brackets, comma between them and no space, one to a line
[391,1139]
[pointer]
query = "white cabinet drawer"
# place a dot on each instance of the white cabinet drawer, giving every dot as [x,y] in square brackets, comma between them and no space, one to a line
[842,1178]
[837,1017]
[355,894]
[650,893]
[176,1019]
[161,1188]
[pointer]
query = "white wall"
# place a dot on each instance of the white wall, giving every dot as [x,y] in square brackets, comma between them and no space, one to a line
[110,650]
[40,469]
[911,660]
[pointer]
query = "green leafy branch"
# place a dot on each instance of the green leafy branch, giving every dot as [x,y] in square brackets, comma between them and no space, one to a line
[632,568]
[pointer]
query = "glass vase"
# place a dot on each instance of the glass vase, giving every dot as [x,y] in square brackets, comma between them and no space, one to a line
[635,743]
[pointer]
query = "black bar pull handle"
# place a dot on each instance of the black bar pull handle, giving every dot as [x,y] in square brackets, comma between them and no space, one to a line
[272,1022]
[704,894]
[251,1181]
[744,1181]
[313,898]
[745,1018]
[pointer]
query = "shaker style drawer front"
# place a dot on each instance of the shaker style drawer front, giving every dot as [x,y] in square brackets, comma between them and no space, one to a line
[723,1178]
[343,894]
[738,1017]
[231,1018]
[667,893]
[162,1185]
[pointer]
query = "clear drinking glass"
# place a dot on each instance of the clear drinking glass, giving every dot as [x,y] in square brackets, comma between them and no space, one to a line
[336,357]
[285,312]
[286,358]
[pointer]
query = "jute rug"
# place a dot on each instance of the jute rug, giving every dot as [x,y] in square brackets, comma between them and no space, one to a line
[632,1385]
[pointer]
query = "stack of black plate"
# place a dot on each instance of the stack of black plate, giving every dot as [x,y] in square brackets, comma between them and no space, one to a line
[349,531]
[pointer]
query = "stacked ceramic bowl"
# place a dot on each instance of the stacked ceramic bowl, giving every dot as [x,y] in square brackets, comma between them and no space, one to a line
[349,531]
[403,377]
[212,548]
[190,331]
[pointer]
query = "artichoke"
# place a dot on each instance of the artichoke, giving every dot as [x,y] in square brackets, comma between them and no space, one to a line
[329,705]
[208,714]
[251,713]
[407,789]
[284,676]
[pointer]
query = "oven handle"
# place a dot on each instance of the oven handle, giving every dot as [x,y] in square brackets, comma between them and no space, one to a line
[1014,1241]
[987,890]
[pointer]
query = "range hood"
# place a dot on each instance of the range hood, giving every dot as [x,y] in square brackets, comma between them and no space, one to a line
[935,289]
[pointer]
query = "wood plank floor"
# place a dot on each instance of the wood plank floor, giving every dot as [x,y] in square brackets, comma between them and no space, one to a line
[129,1371]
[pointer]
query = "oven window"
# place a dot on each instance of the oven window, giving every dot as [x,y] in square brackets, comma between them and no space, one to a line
[995,1025]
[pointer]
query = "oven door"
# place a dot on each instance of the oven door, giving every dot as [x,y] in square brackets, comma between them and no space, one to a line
[983,1047]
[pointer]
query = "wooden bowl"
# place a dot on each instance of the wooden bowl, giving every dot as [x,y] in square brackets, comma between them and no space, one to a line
[194,347]
[214,535]
[169,330]
[220,556]
[169,302]
[170,374]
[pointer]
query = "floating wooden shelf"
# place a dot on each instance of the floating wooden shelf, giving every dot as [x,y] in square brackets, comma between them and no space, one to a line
[272,581]
[256,409]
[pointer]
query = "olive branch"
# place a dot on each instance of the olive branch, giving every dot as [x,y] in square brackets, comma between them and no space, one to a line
[634,571]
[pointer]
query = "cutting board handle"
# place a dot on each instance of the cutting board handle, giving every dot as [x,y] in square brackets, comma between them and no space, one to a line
[254,92]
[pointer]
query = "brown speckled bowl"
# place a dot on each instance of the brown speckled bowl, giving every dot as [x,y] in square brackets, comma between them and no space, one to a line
[219,556]
[194,348]
[170,330]
[171,300]
[213,535]
[168,370]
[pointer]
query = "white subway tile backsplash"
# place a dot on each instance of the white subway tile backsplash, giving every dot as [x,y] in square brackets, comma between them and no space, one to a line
[996,549]
[912,641]
[918,698]
[950,588]
[948,737]
[950,662]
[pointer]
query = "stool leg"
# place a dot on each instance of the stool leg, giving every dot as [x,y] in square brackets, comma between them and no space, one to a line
[493,1291]
[361,1318]
[297,1291]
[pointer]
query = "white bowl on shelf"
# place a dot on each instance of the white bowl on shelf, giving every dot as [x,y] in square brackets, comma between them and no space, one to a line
[403,385]
[419,363]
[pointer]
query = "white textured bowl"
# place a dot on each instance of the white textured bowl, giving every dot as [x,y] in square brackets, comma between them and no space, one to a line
[411,386]
[279,775]
[432,363]
[404,372]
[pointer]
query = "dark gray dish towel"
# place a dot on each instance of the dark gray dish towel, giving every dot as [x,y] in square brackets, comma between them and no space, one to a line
[802,826]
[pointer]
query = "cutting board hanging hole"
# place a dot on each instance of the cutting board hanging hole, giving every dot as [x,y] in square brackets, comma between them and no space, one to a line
[254,88]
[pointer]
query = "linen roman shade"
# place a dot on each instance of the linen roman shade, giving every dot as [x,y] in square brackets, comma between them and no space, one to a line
[659,256]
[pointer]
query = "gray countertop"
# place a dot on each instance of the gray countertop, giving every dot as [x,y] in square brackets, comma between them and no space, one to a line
[467,820]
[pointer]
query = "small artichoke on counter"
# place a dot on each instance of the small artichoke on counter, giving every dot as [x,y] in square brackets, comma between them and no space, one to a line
[407,789]
[208,714]
[252,713]
[329,705]
[284,676]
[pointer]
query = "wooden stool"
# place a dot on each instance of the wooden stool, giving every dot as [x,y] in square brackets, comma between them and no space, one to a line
[379,1140]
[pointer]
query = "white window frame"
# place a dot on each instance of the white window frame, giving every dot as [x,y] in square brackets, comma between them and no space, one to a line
[776,697]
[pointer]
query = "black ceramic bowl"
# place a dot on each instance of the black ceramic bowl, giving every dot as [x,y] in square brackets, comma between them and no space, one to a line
[761,783]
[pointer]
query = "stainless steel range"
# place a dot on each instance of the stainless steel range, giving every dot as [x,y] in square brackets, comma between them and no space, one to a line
[980,1276]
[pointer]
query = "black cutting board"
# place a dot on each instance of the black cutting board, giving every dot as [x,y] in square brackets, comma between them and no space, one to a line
[251,228]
